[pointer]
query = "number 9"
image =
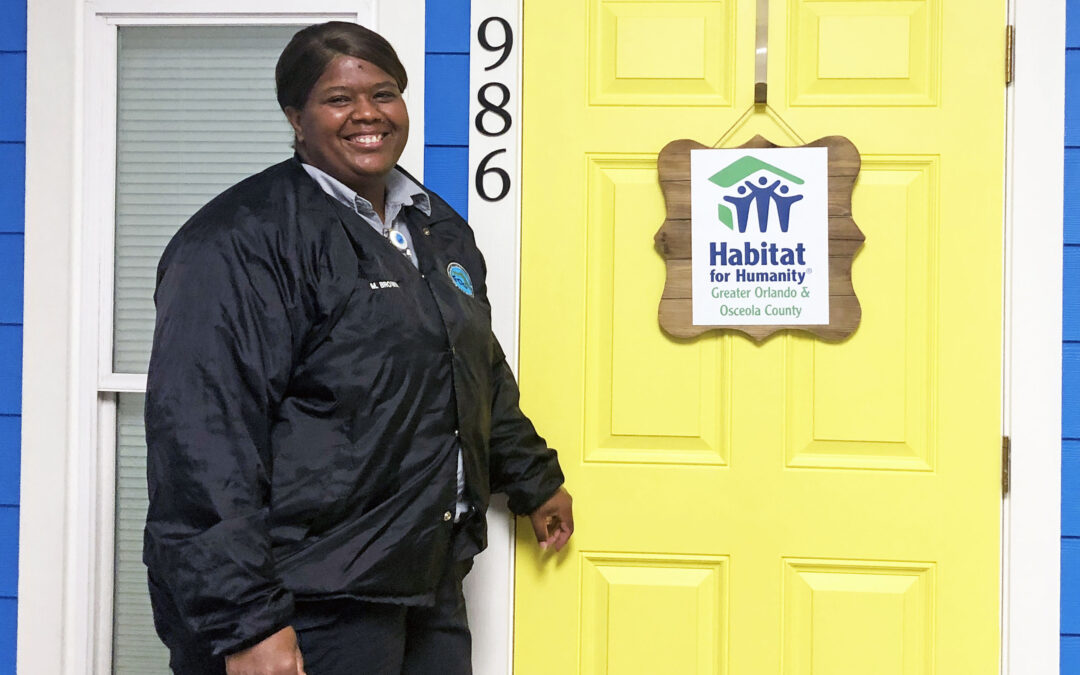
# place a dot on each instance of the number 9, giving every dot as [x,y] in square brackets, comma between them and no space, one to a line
[505,46]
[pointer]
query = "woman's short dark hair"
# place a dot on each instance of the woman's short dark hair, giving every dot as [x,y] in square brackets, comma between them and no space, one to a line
[311,50]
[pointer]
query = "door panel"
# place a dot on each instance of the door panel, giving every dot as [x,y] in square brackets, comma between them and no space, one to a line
[634,408]
[797,506]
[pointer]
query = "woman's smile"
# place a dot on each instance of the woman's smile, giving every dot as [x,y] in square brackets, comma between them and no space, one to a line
[368,141]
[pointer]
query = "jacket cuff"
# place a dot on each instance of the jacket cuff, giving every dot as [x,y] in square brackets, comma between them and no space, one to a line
[527,496]
[253,626]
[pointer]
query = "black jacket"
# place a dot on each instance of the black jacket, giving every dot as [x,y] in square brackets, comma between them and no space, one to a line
[307,392]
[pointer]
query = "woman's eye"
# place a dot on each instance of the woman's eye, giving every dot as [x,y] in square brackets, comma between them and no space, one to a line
[385,95]
[338,100]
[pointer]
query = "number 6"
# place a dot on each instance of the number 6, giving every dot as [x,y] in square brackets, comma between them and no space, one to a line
[482,170]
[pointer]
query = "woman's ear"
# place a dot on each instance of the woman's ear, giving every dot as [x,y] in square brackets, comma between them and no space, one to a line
[293,115]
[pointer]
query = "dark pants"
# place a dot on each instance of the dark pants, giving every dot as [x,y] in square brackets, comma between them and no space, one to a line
[350,637]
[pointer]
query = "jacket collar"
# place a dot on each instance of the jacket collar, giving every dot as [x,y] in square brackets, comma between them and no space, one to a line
[401,191]
[438,210]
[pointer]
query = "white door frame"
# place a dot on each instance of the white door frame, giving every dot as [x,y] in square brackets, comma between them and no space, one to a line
[55,550]
[1031,523]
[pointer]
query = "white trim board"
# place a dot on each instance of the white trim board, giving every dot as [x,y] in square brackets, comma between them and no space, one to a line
[1032,358]
[65,559]
[489,589]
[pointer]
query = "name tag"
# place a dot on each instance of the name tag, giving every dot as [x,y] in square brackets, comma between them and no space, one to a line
[377,285]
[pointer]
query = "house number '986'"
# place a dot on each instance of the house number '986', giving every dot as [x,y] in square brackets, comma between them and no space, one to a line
[493,120]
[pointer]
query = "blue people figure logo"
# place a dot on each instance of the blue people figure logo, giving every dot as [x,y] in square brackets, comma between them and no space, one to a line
[762,194]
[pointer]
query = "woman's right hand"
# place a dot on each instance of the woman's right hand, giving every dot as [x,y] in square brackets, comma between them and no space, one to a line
[278,654]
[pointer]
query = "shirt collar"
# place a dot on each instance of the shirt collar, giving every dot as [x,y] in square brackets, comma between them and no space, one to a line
[400,190]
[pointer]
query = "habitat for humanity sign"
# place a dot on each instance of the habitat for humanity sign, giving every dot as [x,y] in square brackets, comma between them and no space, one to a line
[760,236]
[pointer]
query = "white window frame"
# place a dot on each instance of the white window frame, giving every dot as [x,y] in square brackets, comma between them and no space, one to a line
[67,548]
[57,544]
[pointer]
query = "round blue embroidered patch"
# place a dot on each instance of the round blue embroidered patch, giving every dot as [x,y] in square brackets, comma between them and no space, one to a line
[460,278]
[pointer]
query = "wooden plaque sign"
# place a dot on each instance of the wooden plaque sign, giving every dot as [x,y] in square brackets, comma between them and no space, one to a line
[674,240]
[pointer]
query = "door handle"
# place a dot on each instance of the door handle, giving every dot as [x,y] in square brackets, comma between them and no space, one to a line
[761,54]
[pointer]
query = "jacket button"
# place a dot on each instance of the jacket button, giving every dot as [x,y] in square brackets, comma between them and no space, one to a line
[447,516]
[457,432]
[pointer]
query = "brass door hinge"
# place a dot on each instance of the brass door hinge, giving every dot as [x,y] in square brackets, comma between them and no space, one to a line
[1010,54]
[1006,462]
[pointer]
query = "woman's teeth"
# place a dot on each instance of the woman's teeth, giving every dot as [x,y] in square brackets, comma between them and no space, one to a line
[370,139]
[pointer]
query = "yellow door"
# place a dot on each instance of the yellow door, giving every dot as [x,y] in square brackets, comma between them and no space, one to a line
[792,507]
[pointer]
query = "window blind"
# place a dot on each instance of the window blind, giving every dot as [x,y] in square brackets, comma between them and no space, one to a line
[136,647]
[196,112]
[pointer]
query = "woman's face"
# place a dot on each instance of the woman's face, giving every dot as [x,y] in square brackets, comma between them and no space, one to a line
[354,124]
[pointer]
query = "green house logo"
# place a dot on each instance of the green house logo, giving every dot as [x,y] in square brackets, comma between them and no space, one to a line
[762,194]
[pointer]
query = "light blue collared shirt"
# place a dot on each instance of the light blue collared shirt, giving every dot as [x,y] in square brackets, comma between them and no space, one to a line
[401,191]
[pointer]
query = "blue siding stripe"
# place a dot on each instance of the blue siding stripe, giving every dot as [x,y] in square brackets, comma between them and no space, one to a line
[13,26]
[1072,23]
[12,224]
[447,27]
[9,553]
[1070,390]
[1070,329]
[8,618]
[447,173]
[1070,655]
[1070,488]
[11,370]
[446,100]
[12,186]
[1072,98]
[1070,586]
[10,459]
[11,278]
[446,96]
[13,103]
[1072,196]
[1070,377]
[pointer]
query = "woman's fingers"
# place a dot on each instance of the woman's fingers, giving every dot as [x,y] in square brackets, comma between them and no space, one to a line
[553,522]
[539,526]
[562,533]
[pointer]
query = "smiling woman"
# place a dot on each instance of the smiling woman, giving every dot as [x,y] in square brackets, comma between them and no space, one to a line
[328,411]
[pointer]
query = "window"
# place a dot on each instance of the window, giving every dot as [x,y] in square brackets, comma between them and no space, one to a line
[179,104]
[195,113]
